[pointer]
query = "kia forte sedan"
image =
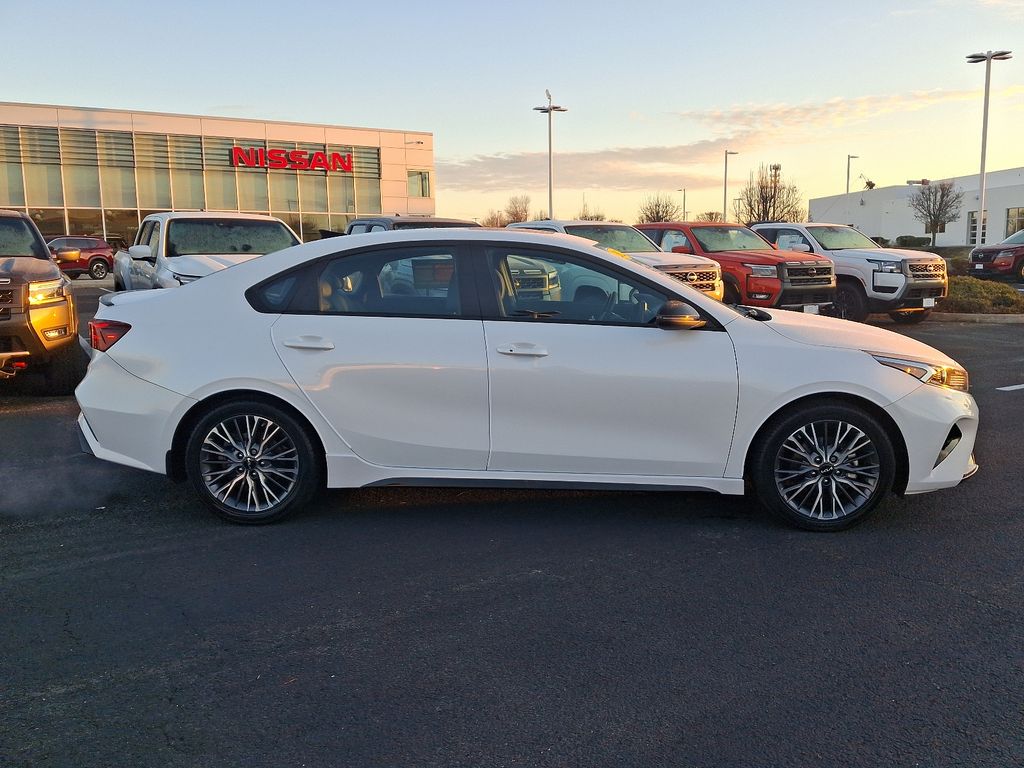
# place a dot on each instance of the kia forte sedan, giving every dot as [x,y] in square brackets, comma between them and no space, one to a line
[306,367]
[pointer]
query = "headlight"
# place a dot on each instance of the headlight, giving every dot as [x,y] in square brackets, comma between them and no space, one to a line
[46,292]
[930,373]
[886,266]
[763,270]
[552,279]
[1004,254]
[182,279]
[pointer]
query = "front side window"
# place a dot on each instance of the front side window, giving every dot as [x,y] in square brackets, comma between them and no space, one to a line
[189,237]
[719,239]
[789,239]
[19,238]
[546,286]
[841,238]
[419,184]
[621,238]
[154,238]
[673,238]
[401,282]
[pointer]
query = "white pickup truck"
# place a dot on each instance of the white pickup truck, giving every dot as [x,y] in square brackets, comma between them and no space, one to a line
[905,284]
[172,249]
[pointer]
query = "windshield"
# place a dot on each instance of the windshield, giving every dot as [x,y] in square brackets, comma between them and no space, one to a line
[19,238]
[191,237]
[716,239]
[625,239]
[1015,239]
[833,238]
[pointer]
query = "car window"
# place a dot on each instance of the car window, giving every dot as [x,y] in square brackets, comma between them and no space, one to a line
[142,238]
[673,237]
[619,237]
[189,237]
[377,228]
[81,243]
[154,238]
[58,243]
[401,282]
[727,238]
[837,238]
[18,238]
[786,239]
[547,286]
[357,229]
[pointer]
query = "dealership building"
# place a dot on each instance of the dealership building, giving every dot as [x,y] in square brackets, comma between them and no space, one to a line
[885,211]
[84,171]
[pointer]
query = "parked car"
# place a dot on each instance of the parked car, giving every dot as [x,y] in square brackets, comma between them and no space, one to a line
[389,223]
[906,284]
[755,272]
[38,318]
[702,273]
[96,260]
[172,249]
[308,373]
[1005,259]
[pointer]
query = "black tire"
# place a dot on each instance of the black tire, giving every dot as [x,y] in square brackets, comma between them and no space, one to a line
[731,295]
[1018,272]
[270,492]
[850,302]
[855,487]
[910,318]
[98,269]
[73,275]
[118,285]
[65,370]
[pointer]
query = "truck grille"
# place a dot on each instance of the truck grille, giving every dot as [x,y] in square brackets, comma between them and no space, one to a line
[6,295]
[982,257]
[703,279]
[809,274]
[531,283]
[927,269]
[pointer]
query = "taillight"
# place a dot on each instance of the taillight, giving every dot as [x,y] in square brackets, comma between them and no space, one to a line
[103,334]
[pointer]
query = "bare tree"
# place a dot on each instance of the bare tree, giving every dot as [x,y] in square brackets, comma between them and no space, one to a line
[541,215]
[586,214]
[517,209]
[767,197]
[710,216]
[935,205]
[659,208]
[494,219]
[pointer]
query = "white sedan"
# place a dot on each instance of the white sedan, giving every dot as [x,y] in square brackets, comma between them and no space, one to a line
[262,383]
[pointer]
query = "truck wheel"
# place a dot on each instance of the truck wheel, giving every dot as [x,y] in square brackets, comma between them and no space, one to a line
[65,370]
[823,467]
[732,296]
[910,318]
[98,269]
[850,302]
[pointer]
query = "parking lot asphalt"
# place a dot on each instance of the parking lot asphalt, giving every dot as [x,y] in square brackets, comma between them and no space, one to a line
[421,627]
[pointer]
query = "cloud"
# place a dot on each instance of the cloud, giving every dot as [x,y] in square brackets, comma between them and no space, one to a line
[1013,9]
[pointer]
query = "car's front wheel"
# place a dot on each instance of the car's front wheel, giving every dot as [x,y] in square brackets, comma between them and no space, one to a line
[824,467]
[850,303]
[252,462]
[98,269]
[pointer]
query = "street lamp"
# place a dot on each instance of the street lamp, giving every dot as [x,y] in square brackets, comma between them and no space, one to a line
[548,110]
[683,190]
[977,58]
[725,182]
[848,159]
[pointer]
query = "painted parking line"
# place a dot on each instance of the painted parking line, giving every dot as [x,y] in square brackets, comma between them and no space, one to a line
[1010,389]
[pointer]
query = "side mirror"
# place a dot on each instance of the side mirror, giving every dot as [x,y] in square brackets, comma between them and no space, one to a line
[682,249]
[141,253]
[800,247]
[678,315]
[68,254]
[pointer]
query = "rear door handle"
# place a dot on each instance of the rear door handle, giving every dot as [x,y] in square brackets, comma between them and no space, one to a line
[309,342]
[525,350]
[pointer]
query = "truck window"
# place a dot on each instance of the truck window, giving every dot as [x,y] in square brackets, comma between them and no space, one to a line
[189,237]
[18,238]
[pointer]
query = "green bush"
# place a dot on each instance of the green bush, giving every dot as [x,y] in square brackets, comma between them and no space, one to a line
[969,294]
[905,240]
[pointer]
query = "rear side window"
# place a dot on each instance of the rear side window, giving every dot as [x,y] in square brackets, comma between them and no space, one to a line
[190,237]
[19,238]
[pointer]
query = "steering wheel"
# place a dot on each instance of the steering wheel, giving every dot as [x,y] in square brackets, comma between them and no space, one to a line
[606,310]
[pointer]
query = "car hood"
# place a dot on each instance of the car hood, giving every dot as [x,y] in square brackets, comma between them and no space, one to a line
[844,334]
[201,265]
[663,259]
[886,254]
[769,256]
[28,268]
[998,247]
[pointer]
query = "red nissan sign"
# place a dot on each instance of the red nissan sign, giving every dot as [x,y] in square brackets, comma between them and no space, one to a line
[295,159]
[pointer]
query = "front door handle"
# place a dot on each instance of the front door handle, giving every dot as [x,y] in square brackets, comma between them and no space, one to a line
[525,350]
[309,342]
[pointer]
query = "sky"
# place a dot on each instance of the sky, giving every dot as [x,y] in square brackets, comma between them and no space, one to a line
[655,91]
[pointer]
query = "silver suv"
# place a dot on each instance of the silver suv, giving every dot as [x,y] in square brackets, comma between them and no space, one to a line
[905,284]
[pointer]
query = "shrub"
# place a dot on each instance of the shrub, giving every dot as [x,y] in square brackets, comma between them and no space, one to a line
[904,240]
[969,294]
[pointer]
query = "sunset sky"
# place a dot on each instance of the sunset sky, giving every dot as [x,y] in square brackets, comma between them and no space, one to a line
[656,91]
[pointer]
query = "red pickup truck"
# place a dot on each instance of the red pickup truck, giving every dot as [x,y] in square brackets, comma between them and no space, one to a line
[754,271]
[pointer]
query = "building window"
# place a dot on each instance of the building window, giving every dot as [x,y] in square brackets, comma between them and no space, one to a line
[972,228]
[12,187]
[1014,220]
[419,184]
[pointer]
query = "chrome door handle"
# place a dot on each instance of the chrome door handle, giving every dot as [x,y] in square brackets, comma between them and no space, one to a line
[309,342]
[525,350]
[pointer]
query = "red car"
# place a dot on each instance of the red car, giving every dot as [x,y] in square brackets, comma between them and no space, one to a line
[97,257]
[754,271]
[1005,259]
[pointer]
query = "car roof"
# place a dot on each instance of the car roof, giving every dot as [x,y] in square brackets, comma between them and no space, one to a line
[670,224]
[564,223]
[168,215]
[19,214]
[402,219]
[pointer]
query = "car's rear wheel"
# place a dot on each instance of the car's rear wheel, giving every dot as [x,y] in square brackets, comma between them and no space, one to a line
[731,295]
[98,269]
[824,467]
[850,303]
[73,275]
[252,462]
[910,317]
[1018,271]
[65,370]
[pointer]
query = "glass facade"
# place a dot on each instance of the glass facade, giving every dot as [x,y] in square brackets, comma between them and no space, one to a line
[74,181]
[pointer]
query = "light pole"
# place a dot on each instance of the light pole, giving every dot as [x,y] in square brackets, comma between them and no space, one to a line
[977,58]
[725,182]
[683,190]
[548,110]
[847,198]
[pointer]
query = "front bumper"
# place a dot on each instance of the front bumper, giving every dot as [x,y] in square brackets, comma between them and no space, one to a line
[927,418]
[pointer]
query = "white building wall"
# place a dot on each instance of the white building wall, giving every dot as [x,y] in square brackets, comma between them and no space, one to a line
[883,211]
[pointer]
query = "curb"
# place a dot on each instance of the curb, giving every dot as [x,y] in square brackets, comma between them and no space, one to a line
[963,317]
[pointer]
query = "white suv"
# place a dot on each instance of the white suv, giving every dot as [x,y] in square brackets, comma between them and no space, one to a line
[697,271]
[906,284]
